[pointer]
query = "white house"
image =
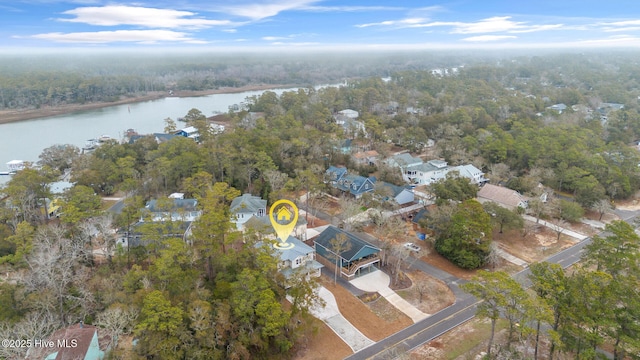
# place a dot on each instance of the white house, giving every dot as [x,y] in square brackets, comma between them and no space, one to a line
[245,206]
[352,114]
[415,171]
[300,258]
[173,209]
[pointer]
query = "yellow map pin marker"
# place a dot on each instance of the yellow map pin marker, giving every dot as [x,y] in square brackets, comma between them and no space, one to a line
[284,217]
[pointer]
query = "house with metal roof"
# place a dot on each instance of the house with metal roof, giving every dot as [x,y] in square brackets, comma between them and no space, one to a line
[262,225]
[357,254]
[80,341]
[400,194]
[355,185]
[171,209]
[335,173]
[245,206]
[300,258]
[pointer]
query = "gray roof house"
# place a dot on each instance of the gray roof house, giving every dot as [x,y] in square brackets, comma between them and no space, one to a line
[299,258]
[245,206]
[172,209]
[401,195]
[262,224]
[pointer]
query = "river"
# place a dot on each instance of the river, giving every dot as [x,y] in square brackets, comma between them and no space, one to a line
[25,140]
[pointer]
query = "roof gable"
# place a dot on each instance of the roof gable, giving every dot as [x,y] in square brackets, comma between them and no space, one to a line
[247,203]
[178,205]
[357,244]
[501,195]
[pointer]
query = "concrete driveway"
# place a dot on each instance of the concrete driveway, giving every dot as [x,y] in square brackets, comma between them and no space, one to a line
[378,281]
[331,316]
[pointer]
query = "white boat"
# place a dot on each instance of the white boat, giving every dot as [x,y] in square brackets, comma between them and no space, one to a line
[90,144]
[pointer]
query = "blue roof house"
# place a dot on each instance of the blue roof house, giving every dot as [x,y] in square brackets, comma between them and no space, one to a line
[334,173]
[355,185]
[358,254]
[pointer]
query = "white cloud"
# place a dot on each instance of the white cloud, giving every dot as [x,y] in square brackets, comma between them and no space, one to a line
[114,15]
[103,37]
[488,25]
[230,31]
[259,11]
[347,8]
[408,22]
[273,38]
[487,38]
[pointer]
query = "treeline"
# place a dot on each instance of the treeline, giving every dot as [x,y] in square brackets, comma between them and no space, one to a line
[31,81]
[582,313]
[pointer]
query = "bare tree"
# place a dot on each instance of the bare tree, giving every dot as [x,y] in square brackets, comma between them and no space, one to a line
[57,266]
[34,326]
[423,288]
[401,255]
[558,225]
[349,209]
[338,245]
[117,320]
[603,206]
[493,257]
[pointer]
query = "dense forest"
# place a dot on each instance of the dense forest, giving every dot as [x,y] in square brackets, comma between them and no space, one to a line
[220,295]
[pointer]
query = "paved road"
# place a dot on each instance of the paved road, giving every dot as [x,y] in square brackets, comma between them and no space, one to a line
[461,311]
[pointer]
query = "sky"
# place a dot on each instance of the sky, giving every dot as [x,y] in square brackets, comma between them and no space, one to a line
[319,24]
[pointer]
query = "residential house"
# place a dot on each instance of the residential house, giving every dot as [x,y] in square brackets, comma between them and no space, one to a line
[357,255]
[415,171]
[401,195]
[559,108]
[298,258]
[334,173]
[158,137]
[245,206]
[148,233]
[366,157]
[76,342]
[262,225]
[171,209]
[503,196]
[190,132]
[355,185]
[352,114]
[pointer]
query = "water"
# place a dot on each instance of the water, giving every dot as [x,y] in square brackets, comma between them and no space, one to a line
[25,140]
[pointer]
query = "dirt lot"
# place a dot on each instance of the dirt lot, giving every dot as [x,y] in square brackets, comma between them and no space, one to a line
[364,317]
[535,246]
[436,294]
[324,344]
[462,343]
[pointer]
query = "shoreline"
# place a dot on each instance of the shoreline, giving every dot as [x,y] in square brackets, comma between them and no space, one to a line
[9,116]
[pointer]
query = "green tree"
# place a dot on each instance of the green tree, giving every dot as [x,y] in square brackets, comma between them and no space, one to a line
[159,328]
[214,232]
[21,244]
[454,187]
[551,286]
[499,293]
[503,217]
[466,241]
[80,203]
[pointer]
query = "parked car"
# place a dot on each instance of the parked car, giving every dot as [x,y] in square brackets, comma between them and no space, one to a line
[412,246]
